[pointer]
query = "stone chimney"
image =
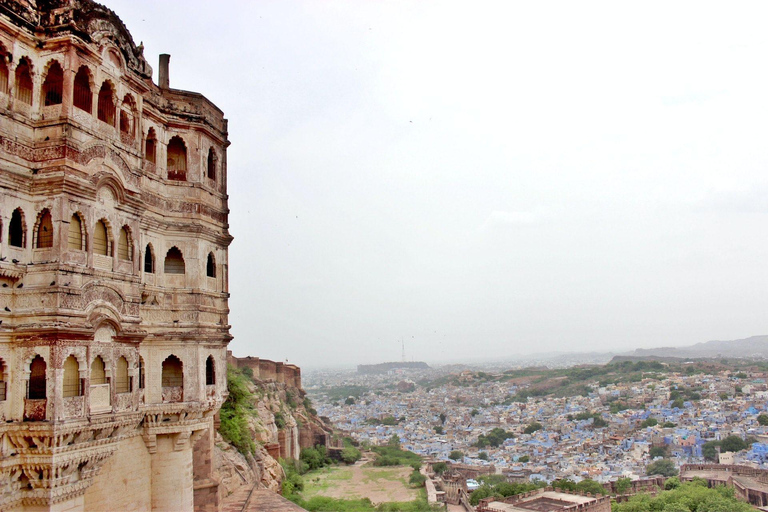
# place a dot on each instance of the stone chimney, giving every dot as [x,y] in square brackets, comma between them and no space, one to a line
[165,82]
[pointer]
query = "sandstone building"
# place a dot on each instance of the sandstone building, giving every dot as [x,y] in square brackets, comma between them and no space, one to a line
[113,269]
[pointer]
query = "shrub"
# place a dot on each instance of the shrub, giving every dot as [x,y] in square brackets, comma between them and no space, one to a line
[235,411]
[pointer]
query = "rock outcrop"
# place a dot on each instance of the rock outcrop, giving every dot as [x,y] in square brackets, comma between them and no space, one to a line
[281,422]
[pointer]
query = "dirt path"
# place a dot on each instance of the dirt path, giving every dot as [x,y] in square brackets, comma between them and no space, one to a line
[360,481]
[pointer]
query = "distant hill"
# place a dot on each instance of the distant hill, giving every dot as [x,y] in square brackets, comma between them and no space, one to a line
[385,367]
[755,346]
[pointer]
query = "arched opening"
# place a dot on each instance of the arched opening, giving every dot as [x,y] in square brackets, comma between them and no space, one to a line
[53,86]
[36,389]
[150,146]
[3,71]
[98,373]
[173,380]
[44,231]
[174,261]
[101,243]
[3,384]
[122,382]
[210,267]
[75,238]
[72,384]
[82,96]
[210,372]
[127,115]
[211,164]
[24,81]
[141,373]
[177,159]
[149,260]
[16,229]
[125,245]
[106,104]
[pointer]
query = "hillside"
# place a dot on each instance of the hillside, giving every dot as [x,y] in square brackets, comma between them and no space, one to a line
[262,421]
[755,346]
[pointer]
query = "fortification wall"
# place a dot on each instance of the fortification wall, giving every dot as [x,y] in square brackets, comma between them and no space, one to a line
[264,369]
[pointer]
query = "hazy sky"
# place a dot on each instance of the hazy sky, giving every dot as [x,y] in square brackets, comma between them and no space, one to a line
[482,179]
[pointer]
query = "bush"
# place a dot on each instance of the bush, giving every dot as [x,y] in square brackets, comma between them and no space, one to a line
[417,479]
[533,427]
[456,455]
[350,454]
[315,458]
[235,411]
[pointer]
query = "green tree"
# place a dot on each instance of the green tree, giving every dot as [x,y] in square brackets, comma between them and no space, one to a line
[524,458]
[650,422]
[438,430]
[762,419]
[533,427]
[349,401]
[350,454]
[623,485]
[394,441]
[589,485]
[658,451]
[456,455]
[664,467]
[482,455]
[439,467]
[733,444]
[417,479]
[442,418]
[709,450]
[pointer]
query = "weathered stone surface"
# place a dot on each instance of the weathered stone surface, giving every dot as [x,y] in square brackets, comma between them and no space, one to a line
[107,404]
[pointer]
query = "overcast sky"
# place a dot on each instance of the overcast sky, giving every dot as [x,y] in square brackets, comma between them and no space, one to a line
[482,179]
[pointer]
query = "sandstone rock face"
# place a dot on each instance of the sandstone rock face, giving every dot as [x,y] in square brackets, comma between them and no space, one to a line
[281,426]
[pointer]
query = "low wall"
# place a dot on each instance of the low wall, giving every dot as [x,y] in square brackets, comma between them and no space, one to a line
[264,369]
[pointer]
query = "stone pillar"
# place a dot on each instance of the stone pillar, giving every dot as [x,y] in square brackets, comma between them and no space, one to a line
[172,488]
[205,487]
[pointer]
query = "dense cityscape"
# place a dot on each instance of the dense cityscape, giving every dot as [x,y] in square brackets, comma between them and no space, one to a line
[608,431]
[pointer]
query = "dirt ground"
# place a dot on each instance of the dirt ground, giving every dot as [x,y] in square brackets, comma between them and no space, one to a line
[379,484]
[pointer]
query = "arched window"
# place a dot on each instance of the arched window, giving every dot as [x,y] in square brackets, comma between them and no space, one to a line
[210,372]
[72,385]
[16,229]
[101,243]
[122,382]
[3,71]
[37,379]
[177,159]
[44,230]
[75,234]
[82,97]
[127,114]
[125,245]
[149,146]
[173,373]
[106,105]
[141,373]
[174,261]
[24,82]
[149,260]
[210,267]
[211,164]
[53,87]
[3,383]
[98,374]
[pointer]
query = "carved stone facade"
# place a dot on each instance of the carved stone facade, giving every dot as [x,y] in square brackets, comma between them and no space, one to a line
[113,269]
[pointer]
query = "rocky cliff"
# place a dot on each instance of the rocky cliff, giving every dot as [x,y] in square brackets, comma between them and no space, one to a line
[263,420]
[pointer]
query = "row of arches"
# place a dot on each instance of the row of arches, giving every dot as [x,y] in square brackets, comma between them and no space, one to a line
[122,115]
[52,92]
[103,241]
[176,157]
[172,376]
[42,234]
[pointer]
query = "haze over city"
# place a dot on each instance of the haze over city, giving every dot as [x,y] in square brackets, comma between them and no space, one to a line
[482,179]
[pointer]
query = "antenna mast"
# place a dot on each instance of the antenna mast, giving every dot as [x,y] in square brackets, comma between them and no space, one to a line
[403,344]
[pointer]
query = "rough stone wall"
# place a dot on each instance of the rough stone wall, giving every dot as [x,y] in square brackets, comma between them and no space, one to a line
[264,369]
